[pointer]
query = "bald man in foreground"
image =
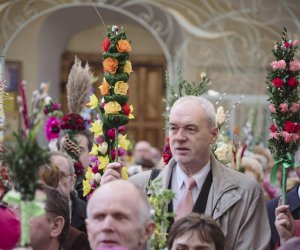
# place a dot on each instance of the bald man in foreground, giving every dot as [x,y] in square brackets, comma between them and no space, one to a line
[118,214]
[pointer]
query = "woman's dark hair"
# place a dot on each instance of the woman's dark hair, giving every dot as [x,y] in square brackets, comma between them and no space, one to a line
[203,225]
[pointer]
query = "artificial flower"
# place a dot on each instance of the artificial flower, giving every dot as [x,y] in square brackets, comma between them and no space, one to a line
[127,67]
[72,122]
[97,128]
[104,160]
[102,148]
[94,150]
[105,44]
[123,46]
[93,101]
[273,128]
[126,109]
[89,174]
[281,64]
[284,107]
[123,142]
[287,44]
[131,111]
[110,65]
[292,82]
[97,177]
[294,65]
[111,133]
[104,88]
[220,116]
[294,107]
[277,82]
[291,127]
[121,88]
[86,187]
[124,173]
[295,43]
[167,154]
[52,128]
[272,108]
[112,108]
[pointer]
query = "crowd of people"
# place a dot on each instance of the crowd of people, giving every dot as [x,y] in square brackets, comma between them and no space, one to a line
[215,207]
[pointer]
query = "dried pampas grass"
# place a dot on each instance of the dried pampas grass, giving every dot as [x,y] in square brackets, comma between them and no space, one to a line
[79,83]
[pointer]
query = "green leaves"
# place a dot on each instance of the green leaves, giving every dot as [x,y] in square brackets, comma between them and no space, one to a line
[23,160]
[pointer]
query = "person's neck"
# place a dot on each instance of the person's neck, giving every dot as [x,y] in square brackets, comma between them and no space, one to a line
[190,170]
[52,245]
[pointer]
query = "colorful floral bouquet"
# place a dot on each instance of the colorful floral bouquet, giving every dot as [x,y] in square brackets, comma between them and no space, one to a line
[113,110]
[283,86]
[23,160]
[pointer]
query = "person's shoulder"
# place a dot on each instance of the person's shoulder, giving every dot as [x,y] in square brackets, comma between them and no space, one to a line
[76,240]
[141,179]
[243,183]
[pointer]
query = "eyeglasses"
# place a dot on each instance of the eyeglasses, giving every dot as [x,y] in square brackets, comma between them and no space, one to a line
[63,175]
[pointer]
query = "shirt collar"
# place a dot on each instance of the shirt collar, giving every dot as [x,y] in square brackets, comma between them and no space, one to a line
[199,177]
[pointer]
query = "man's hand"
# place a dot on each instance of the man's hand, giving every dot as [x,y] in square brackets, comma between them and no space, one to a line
[284,223]
[112,172]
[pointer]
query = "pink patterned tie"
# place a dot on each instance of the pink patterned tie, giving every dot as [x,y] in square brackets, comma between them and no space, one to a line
[186,204]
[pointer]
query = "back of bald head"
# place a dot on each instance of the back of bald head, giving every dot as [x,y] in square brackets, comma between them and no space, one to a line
[127,188]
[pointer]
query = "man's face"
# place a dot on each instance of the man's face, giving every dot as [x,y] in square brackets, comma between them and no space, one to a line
[190,134]
[142,151]
[84,150]
[190,241]
[114,220]
[66,178]
[40,229]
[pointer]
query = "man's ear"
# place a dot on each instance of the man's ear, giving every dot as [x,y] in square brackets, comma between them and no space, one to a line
[148,231]
[57,226]
[214,135]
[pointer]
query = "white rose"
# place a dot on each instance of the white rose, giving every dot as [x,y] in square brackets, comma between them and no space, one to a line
[220,116]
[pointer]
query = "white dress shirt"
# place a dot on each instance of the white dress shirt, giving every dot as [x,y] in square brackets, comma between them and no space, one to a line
[178,177]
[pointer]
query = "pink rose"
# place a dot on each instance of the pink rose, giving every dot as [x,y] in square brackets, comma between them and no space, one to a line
[292,81]
[284,107]
[286,136]
[277,82]
[295,43]
[272,108]
[275,47]
[278,65]
[294,107]
[294,65]
[275,135]
[295,137]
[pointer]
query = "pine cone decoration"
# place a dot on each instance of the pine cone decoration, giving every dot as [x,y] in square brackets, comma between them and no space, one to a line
[71,148]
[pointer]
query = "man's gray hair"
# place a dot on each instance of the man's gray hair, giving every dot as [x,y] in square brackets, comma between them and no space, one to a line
[205,104]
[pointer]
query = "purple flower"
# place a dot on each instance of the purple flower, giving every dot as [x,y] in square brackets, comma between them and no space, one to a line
[93,158]
[52,128]
[122,129]
[111,133]
[99,139]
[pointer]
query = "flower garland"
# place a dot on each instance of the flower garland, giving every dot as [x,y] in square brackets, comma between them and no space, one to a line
[113,110]
[283,86]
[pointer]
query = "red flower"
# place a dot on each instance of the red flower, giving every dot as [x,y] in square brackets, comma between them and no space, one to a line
[273,128]
[78,168]
[72,122]
[167,154]
[292,81]
[126,109]
[291,127]
[105,44]
[277,82]
[288,45]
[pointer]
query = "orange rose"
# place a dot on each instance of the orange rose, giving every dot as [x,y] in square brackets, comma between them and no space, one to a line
[104,88]
[110,65]
[123,46]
